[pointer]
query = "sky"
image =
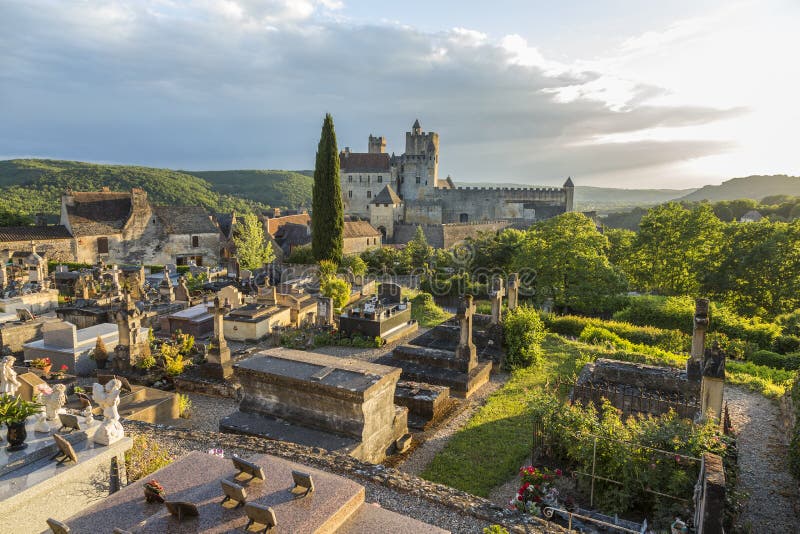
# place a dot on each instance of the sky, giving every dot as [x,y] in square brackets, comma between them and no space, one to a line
[635,94]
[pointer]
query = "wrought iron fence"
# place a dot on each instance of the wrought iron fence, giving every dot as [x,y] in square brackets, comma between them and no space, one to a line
[631,401]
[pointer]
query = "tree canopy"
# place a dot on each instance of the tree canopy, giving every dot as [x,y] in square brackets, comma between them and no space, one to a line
[327,231]
[252,248]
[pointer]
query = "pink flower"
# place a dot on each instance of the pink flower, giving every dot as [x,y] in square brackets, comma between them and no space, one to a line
[558,472]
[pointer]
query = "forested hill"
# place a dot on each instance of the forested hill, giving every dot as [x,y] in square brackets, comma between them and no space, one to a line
[31,186]
[755,187]
[275,188]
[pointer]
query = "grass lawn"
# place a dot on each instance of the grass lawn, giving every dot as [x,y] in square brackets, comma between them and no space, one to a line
[497,439]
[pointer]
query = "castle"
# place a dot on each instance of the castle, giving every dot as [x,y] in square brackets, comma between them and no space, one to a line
[398,193]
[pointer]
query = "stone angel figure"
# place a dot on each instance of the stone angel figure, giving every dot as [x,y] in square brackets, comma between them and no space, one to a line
[8,377]
[54,401]
[108,399]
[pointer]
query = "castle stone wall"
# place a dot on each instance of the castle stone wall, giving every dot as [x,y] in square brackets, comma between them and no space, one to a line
[468,204]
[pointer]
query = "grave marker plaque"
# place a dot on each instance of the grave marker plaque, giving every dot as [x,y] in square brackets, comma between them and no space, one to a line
[67,453]
[233,492]
[57,526]
[303,484]
[69,422]
[247,468]
[181,509]
[260,515]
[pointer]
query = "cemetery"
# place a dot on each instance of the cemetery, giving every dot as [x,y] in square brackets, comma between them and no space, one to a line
[516,416]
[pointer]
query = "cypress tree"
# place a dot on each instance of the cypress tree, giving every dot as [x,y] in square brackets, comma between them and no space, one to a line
[327,218]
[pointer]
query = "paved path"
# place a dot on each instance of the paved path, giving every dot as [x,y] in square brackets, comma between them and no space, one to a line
[763,465]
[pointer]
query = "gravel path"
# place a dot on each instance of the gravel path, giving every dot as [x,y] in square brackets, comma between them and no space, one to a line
[207,411]
[419,459]
[763,463]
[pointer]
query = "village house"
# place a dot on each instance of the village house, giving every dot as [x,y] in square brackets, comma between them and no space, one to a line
[124,227]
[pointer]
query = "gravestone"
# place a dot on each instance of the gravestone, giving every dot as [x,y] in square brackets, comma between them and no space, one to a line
[218,358]
[496,295]
[230,296]
[166,290]
[324,311]
[712,384]
[513,291]
[699,328]
[464,313]
[129,321]
[389,292]
[182,290]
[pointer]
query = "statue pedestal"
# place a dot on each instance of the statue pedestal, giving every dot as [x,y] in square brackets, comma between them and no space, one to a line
[218,364]
[108,432]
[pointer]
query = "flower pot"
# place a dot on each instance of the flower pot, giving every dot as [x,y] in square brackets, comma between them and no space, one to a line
[16,436]
[101,364]
[46,369]
[153,496]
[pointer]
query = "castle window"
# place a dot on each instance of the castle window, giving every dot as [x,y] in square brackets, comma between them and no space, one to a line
[349,178]
[102,245]
[463,218]
[349,194]
[418,179]
[369,194]
[195,241]
[380,179]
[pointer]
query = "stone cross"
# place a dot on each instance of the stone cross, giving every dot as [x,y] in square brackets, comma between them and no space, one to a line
[466,348]
[182,291]
[115,278]
[699,329]
[81,288]
[497,294]
[218,358]
[128,321]
[513,291]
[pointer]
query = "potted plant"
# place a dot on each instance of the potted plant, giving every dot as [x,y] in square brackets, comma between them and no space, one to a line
[13,412]
[100,353]
[44,364]
[154,492]
[60,374]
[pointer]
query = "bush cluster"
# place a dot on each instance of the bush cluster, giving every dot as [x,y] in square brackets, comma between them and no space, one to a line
[523,332]
[425,311]
[789,362]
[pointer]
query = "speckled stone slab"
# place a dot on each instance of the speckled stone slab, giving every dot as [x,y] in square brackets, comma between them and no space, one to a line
[372,519]
[196,478]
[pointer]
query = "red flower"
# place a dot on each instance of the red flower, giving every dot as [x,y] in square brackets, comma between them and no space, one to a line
[64,367]
[558,472]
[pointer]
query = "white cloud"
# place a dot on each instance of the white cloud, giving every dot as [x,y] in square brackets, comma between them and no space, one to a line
[244,84]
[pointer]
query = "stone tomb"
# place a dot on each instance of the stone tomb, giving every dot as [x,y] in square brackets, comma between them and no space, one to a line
[195,320]
[437,358]
[336,505]
[385,316]
[254,321]
[319,400]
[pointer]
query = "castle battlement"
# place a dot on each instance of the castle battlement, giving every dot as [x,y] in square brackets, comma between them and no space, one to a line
[508,189]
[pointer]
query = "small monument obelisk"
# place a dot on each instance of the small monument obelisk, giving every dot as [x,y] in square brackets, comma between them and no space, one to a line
[218,359]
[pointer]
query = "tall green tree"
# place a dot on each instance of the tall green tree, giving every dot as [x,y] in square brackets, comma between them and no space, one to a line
[418,250]
[569,258]
[327,219]
[252,249]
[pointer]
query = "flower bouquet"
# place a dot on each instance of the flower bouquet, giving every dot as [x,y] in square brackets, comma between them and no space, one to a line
[42,363]
[154,492]
[537,490]
[58,375]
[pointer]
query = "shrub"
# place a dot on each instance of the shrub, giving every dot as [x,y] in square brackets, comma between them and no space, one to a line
[425,311]
[600,336]
[185,343]
[301,255]
[146,359]
[327,270]
[738,349]
[524,332]
[789,323]
[495,529]
[768,381]
[790,362]
[100,352]
[338,290]
[184,406]
[145,457]
[786,343]
[174,362]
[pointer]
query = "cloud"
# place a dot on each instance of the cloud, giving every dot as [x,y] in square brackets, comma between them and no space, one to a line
[240,84]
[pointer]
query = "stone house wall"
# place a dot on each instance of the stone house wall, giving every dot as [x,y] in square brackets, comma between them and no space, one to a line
[49,249]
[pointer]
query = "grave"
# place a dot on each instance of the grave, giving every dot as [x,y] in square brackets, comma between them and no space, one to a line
[254,321]
[385,316]
[34,486]
[335,506]
[64,344]
[425,402]
[195,320]
[318,400]
[218,355]
[432,358]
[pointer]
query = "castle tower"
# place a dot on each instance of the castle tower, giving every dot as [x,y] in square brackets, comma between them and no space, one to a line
[569,193]
[419,166]
[377,145]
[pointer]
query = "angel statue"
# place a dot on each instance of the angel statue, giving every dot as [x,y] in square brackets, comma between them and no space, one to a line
[108,398]
[54,401]
[42,390]
[8,377]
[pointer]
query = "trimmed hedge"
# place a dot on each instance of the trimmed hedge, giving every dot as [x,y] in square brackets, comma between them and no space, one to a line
[664,339]
[790,362]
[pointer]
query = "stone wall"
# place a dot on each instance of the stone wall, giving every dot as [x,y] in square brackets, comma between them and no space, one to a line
[710,505]
[493,203]
[14,335]
[446,235]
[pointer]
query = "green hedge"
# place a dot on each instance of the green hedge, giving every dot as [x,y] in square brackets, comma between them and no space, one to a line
[573,325]
[789,362]
[678,313]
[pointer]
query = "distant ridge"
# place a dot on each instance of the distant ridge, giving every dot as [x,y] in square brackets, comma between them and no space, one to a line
[755,187]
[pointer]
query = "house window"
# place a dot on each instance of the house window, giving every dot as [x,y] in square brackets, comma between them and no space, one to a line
[369,194]
[102,245]
[380,179]
[349,194]
[418,179]
[195,241]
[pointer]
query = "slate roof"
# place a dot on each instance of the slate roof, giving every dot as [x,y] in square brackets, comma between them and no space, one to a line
[224,220]
[186,219]
[274,224]
[33,233]
[569,183]
[292,235]
[99,212]
[387,196]
[359,229]
[364,162]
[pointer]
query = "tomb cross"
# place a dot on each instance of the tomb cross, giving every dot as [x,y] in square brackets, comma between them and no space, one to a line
[498,292]
[513,290]
[466,309]
[219,311]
